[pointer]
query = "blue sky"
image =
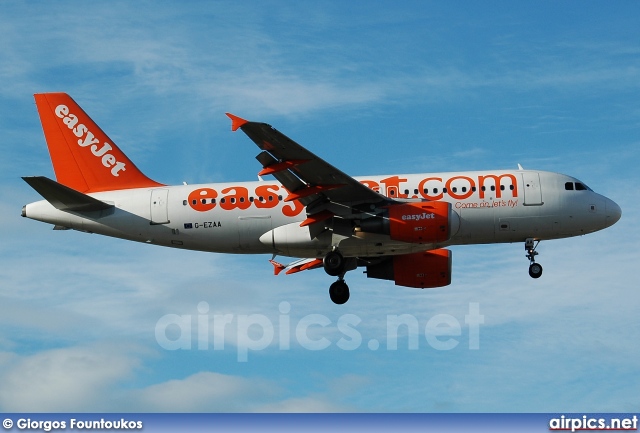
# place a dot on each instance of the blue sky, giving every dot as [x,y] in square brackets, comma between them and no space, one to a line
[373,88]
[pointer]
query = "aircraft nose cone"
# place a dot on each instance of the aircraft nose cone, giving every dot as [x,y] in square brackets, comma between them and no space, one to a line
[613,212]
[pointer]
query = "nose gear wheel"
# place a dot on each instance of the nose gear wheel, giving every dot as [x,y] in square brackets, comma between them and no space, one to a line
[535,269]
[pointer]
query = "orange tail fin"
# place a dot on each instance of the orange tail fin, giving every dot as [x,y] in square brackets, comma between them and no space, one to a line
[84,157]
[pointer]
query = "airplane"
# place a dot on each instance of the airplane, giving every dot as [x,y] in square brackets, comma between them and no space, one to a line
[396,227]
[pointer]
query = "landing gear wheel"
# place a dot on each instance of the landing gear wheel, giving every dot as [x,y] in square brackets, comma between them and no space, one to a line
[333,263]
[535,270]
[339,292]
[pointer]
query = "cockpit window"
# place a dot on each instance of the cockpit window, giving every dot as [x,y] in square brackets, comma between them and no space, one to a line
[577,186]
[581,187]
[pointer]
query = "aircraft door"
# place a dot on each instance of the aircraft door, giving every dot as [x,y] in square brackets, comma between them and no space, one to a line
[532,188]
[159,206]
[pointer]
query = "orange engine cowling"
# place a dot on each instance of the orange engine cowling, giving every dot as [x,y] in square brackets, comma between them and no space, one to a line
[422,270]
[428,222]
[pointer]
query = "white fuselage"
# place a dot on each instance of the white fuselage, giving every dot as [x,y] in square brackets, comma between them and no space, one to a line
[252,217]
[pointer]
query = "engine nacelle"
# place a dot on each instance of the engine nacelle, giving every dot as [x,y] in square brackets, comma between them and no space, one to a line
[291,239]
[422,270]
[420,223]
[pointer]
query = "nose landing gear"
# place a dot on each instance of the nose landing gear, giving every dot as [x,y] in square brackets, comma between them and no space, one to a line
[535,269]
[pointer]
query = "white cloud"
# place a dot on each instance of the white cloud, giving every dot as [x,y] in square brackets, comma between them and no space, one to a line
[202,392]
[94,378]
[237,63]
[303,405]
[76,379]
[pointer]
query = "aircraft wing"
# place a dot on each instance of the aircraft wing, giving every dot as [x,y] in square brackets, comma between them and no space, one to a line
[309,178]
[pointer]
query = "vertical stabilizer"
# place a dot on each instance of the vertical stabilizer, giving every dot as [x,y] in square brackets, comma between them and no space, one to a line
[84,157]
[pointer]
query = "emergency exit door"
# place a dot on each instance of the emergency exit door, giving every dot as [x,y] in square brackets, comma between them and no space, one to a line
[159,206]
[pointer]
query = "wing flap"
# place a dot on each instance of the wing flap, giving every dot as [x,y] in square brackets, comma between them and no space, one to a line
[296,266]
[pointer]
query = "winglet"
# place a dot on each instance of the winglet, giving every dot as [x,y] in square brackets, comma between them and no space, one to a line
[236,122]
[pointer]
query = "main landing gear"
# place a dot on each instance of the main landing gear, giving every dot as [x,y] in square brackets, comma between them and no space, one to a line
[535,269]
[336,266]
[339,292]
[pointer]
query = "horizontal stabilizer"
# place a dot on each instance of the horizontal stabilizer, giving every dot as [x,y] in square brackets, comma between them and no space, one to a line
[64,198]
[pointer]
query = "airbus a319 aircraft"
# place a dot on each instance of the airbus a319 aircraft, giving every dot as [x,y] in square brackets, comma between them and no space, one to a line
[396,227]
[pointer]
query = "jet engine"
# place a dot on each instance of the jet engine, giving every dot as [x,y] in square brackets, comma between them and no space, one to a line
[422,270]
[421,223]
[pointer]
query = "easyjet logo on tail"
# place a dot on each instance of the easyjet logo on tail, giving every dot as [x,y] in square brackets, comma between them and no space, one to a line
[87,139]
